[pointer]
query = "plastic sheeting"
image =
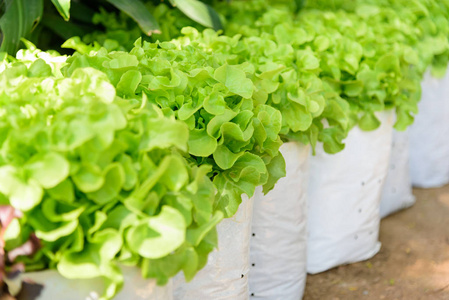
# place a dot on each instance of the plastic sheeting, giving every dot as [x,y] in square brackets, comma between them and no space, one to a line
[429,135]
[397,192]
[58,287]
[225,276]
[344,198]
[278,241]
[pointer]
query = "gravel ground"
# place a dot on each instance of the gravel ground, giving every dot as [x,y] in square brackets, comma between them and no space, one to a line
[413,263]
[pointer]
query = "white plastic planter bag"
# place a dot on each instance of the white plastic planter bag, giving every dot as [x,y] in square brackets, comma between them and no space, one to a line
[429,135]
[279,234]
[344,198]
[55,286]
[397,192]
[225,276]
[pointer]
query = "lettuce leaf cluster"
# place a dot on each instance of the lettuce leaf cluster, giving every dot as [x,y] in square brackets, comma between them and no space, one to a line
[132,151]
[286,79]
[228,128]
[102,179]
[367,55]
[367,58]
[427,19]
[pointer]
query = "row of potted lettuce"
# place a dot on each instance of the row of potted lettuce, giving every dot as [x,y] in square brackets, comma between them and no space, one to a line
[117,157]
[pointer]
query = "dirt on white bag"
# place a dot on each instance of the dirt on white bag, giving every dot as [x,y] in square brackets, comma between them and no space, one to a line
[278,241]
[225,276]
[344,198]
[397,191]
[55,286]
[429,135]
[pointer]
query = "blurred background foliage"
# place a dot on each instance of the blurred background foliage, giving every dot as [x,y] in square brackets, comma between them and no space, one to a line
[48,23]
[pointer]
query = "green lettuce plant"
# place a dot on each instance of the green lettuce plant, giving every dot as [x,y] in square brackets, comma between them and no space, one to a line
[428,19]
[285,79]
[228,128]
[101,180]
[369,62]
[371,54]
[304,119]
[376,67]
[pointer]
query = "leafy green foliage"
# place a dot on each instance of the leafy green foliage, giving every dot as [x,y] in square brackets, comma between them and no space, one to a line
[120,34]
[342,68]
[366,56]
[63,7]
[105,151]
[199,12]
[229,128]
[19,18]
[422,25]
[139,13]
[100,174]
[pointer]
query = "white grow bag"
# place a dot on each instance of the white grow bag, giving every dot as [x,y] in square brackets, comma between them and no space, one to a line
[136,288]
[279,234]
[397,192]
[344,198]
[429,135]
[225,276]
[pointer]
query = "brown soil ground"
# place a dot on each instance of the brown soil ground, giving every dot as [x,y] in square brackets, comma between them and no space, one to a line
[413,263]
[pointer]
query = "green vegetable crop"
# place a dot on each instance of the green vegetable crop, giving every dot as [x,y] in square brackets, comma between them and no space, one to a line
[101,180]
[228,128]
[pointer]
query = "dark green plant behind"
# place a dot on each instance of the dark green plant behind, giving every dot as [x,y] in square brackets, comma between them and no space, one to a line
[47,23]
